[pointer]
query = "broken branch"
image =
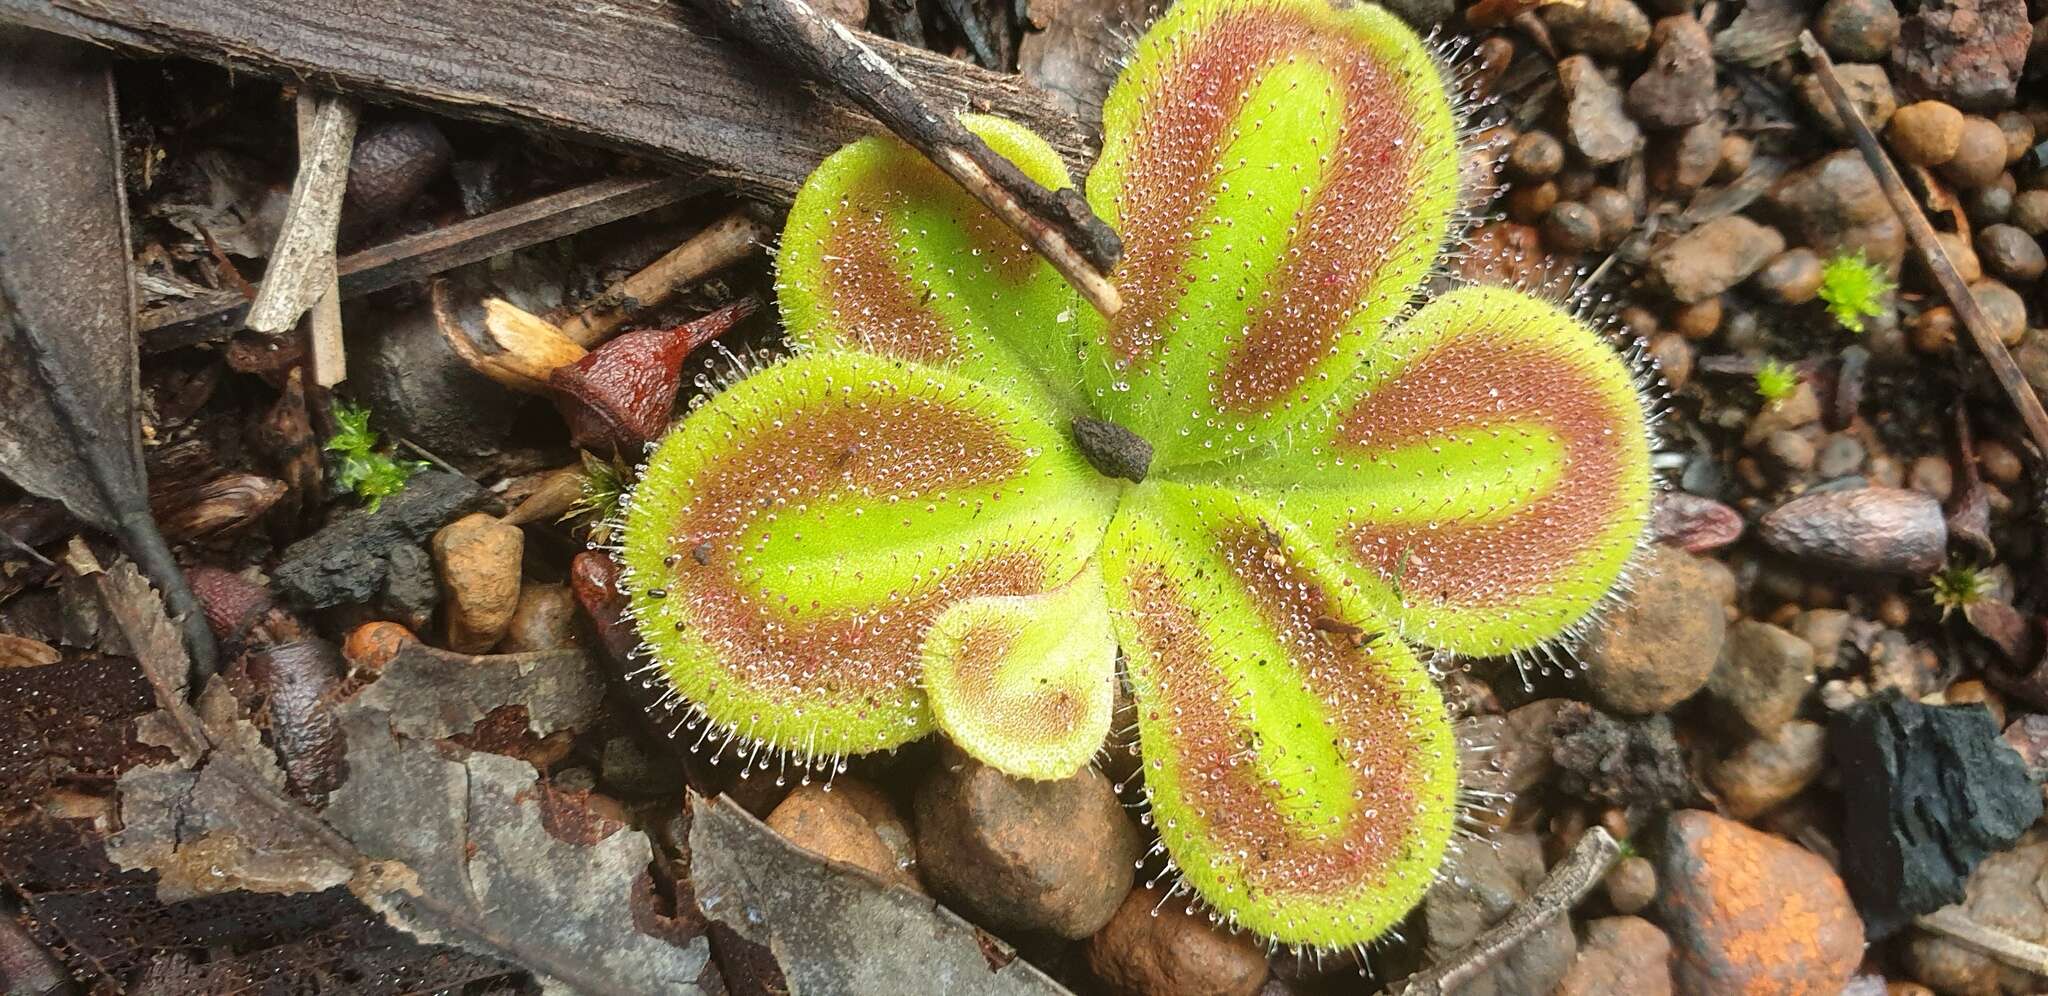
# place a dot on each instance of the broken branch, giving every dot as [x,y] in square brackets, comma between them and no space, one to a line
[721,244]
[1057,223]
[302,264]
[1956,925]
[1561,890]
[1922,233]
[412,257]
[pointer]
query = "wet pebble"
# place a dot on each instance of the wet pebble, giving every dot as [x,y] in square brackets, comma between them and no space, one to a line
[1534,156]
[546,619]
[1980,154]
[1835,203]
[1631,885]
[1571,228]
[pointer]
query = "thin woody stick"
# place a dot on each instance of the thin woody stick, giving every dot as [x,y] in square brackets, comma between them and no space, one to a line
[721,244]
[1954,923]
[1922,233]
[1057,224]
[1561,890]
[302,266]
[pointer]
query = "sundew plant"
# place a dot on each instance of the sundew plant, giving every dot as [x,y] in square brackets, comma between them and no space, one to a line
[1265,486]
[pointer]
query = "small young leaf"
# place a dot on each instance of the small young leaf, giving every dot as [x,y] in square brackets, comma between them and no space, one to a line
[1026,683]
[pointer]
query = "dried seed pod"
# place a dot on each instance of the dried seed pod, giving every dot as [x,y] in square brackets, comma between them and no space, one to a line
[620,396]
[391,165]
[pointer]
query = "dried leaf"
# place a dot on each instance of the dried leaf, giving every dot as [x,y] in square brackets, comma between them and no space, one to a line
[835,928]
[1765,32]
[69,386]
[466,860]
[21,651]
[431,693]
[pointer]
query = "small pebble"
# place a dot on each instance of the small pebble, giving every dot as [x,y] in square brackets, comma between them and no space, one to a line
[2030,212]
[1610,30]
[1868,89]
[851,822]
[1594,121]
[1142,953]
[1961,254]
[1530,203]
[1790,452]
[1990,204]
[1621,954]
[1999,462]
[1931,475]
[1535,156]
[1823,630]
[1660,645]
[1684,160]
[1674,358]
[2003,308]
[1571,228]
[1926,133]
[1714,257]
[1676,90]
[1791,277]
[1840,456]
[1980,154]
[2019,133]
[2010,254]
[478,560]
[1763,674]
[1698,320]
[546,619]
[1054,856]
[1617,215]
[1736,153]
[1631,884]
[1766,772]
[1857,30]
[1749,911]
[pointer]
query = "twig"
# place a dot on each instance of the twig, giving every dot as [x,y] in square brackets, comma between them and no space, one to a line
[1561,890]
[1956,925]
[1058,224]
[302,266]
[1936,258]
[412,257]
[325,355]
[721,244]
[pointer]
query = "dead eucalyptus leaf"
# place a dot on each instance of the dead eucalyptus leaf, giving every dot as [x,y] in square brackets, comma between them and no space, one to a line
[432,693]
[833,927]
[69,382]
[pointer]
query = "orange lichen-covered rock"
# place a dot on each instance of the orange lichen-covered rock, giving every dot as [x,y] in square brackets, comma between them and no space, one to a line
[1752,913]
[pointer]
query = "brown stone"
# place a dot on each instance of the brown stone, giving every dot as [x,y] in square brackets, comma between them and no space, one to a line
[1174,953]
[1967,52]
[848,822]
[1714,257]
[1836,205]
[1620,955]
[1770,770]
[546,619]
[1980,154]
[478,560]
[1657,648]
[1762,676]
[1749,912]
[1631,884]
[2006,895]
[1054,856]
[1594,121]
[1925,133]
[1677,88]
[1868,91]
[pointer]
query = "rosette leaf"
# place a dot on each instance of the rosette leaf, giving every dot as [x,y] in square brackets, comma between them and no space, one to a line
[885,254]
[1283,174]
[1485,479]
[1299,761]
[791,542]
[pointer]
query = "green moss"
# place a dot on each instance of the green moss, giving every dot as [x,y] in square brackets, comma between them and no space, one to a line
[1854,289]
[1775,381]
[1958,586]
[359,464]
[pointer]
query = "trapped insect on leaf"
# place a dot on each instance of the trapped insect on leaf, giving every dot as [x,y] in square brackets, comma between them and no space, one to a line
[1265,483]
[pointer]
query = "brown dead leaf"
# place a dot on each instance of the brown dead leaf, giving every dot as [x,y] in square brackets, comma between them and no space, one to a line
[21,651]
